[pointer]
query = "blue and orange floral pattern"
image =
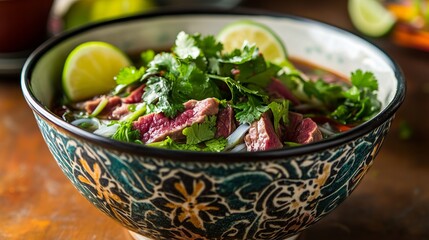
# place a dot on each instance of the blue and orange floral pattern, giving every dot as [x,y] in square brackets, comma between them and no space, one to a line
[165,199]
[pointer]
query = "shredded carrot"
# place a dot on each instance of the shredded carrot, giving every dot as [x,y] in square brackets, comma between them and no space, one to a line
[342,127]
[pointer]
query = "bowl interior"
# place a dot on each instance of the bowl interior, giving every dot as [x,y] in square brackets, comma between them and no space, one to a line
[315,42]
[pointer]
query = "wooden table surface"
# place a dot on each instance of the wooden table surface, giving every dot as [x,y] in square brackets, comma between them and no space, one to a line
[392,202]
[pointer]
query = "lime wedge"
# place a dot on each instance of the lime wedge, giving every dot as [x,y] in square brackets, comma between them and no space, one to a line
[90,69]
[270,45]
[370,17]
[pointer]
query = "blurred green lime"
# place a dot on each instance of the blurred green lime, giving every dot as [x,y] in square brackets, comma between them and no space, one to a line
[370,17]
[78,14]
[86,11]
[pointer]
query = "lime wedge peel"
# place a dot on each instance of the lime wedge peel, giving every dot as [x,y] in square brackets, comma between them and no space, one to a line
[90,69]
[233,36]
[370,17]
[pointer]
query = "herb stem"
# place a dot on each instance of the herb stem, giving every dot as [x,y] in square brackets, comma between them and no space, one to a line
[140,110]
[99,107]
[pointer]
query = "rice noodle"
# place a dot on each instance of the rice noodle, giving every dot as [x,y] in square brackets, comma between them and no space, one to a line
[237,136]
[107,130]
[327,129]
[239,148]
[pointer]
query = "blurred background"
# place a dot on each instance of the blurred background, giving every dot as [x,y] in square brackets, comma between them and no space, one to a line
[392,202]
[25,24]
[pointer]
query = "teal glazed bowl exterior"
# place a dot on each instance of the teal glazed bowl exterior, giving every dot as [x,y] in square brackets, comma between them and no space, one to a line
[166,194]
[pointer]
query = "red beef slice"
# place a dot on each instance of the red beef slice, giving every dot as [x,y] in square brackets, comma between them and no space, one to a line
[308,132]
[156,126]
[135,96]
[302,130]
[225,123]
[113,103]
[121,111]
[261,136]
[290,129]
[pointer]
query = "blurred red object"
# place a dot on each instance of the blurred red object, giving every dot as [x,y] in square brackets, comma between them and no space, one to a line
[412,28]
[23,24]
[407,36]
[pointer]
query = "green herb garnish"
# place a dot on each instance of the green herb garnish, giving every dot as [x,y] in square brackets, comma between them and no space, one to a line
[200,132]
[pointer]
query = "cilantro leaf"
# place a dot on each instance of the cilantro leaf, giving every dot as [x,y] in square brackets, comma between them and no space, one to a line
[249,103]
[240,56]
[327,93]
[360,101]
[243,64]
[263,78]
[363,80]
[213,66]
[162,63]
[250,110]
[237,89]
[157,93]
[129,75]
[186,46]
[126,132]
[157,89]
[280,110]
[195,84]
[200,132]
[209,46]
[215,145]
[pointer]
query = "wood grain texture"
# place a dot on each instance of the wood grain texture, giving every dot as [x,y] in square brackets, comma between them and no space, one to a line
[392,202]
[36,200]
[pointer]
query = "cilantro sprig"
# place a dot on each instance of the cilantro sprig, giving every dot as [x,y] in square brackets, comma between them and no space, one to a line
[200,132]
[129,75]
[280,110]
[346,104]
[360,100]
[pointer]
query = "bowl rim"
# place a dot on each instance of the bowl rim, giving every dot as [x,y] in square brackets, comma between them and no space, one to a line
[187,156]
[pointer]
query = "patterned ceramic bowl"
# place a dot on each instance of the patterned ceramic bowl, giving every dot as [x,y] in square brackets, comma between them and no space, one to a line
[163,194]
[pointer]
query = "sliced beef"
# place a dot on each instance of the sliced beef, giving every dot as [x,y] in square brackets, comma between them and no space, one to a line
[120,111]
[90,105]
[156,126]
[225,123]
[135,96]
[278,90]
[290,129]
[308,132]
[117,107]
[261,136]
[302,130]
[113,103]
